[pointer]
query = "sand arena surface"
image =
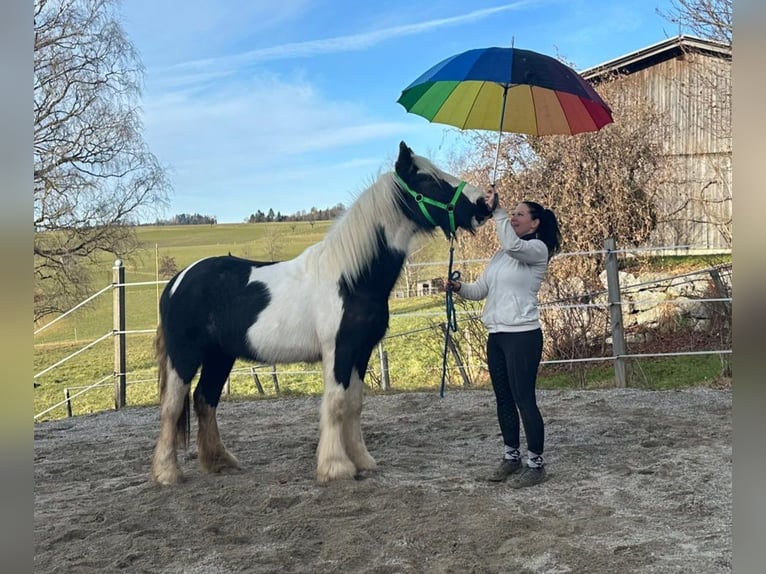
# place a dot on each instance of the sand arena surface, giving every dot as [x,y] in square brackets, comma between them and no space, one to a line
[640,482]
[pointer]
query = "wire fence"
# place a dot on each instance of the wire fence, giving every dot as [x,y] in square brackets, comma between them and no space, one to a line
[414,343]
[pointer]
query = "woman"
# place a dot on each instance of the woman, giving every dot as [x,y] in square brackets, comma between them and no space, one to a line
[528,238]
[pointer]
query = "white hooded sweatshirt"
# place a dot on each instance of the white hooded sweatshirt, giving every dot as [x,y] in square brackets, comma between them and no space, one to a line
[510,281]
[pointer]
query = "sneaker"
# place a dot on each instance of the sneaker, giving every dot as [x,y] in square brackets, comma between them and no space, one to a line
[506,468]
[529,477]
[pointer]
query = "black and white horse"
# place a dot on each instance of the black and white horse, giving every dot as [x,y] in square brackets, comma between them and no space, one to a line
[330,303]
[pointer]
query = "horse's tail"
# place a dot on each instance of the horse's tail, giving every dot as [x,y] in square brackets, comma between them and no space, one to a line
[183,424]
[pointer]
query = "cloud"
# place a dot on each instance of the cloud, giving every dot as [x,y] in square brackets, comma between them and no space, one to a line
[246,113]
[172,31]
[224,125]
[352,42]
[261,118]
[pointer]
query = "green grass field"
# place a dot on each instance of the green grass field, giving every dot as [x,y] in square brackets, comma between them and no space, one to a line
[414,351]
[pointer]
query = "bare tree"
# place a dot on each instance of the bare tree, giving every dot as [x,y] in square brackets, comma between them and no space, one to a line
[274,240]
[600,185]
[711,19]
[93,173]
[167,267]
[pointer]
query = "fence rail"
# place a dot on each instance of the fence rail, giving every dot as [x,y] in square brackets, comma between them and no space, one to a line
[615,305]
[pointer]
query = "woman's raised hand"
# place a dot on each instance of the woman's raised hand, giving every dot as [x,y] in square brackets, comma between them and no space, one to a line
[491,198]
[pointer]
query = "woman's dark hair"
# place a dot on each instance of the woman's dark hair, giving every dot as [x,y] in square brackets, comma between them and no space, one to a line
[548,230]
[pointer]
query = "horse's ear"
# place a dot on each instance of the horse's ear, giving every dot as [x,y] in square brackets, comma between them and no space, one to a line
[404,161]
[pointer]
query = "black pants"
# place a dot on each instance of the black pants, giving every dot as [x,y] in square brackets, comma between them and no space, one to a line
[513,360]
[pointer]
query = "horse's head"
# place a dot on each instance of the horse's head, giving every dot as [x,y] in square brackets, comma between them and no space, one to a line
[437,199]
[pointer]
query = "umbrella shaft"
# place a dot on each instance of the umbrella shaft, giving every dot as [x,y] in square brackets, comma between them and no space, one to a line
[499,134]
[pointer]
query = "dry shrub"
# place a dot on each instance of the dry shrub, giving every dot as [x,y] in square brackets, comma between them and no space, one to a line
[574,326]
[167,267]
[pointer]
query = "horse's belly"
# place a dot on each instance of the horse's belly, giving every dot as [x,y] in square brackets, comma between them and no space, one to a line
[283,345]
[301,318]
[284,341]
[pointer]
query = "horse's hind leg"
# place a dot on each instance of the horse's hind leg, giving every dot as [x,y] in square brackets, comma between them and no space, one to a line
[352,426]
[213,456]
[174,400]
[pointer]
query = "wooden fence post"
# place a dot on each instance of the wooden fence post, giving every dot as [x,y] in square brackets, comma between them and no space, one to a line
[68,402]
[385,382]
[725,308]
[257,381]
[118,324]
[615,312]
[274,378]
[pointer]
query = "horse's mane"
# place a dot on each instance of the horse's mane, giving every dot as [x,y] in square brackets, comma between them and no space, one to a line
[351,243]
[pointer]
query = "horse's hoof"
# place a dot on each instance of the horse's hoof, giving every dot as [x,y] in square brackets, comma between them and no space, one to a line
[219,462]
[367,463]
[339,470]
[167,476]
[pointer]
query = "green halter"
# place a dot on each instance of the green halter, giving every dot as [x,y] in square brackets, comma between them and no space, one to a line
[422,200]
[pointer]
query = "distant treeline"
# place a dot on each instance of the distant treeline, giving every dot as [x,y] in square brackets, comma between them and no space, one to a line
[314,214]
[188,219]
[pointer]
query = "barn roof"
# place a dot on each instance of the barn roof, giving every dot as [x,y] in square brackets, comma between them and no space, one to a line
[655,54]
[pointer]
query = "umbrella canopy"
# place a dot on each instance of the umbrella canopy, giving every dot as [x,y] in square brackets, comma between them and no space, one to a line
[509,90]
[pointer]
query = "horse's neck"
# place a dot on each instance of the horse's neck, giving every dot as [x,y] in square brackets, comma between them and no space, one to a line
[374,221]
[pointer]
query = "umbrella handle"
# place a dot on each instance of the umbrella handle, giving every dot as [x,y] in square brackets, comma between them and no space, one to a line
[499,135]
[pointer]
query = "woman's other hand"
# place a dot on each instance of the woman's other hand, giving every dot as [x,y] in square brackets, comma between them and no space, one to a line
[453,284]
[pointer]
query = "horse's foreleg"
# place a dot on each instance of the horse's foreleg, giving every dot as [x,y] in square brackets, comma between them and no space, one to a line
[353,439]
[213,456]
[332,461]
[174,397]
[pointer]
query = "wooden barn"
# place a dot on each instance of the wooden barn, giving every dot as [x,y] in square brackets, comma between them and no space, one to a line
[688,80]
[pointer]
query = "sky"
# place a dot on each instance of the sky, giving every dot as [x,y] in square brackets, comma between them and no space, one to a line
[291,104]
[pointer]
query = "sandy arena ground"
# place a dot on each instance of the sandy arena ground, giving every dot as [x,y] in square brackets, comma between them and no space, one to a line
[640,482]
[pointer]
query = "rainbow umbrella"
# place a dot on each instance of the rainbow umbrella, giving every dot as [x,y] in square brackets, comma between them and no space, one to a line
[507,89]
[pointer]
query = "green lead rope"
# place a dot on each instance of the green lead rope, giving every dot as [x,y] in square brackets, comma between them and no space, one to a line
[421,200]
[451,324]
